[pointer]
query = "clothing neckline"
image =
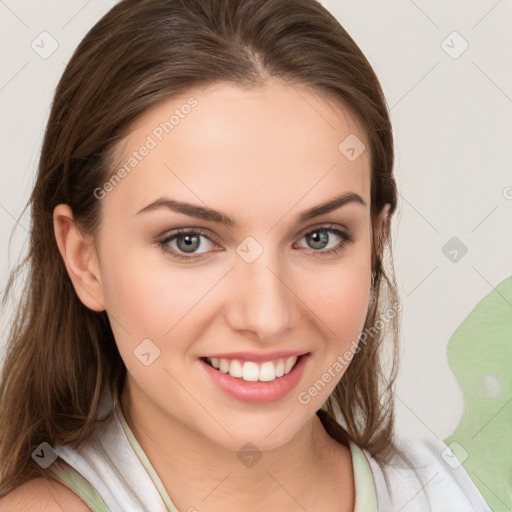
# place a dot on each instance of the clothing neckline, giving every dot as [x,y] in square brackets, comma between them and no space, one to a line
[364,483]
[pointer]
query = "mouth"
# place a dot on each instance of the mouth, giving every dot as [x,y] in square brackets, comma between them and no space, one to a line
[252,371]
[257,383]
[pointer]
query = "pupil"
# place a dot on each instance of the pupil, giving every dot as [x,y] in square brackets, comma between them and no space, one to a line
[319,237]
[189,242]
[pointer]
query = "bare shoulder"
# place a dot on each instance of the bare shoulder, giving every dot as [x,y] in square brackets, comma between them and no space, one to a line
[42,495]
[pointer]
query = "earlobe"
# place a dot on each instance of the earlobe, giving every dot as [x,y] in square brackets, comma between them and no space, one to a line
[80,258]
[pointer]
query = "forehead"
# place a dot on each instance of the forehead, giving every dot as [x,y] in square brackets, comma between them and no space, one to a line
[241,147]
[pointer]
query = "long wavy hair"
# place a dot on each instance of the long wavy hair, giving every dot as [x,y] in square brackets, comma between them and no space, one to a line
[61,356]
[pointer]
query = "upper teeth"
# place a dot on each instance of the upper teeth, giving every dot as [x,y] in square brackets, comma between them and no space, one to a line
[251,371]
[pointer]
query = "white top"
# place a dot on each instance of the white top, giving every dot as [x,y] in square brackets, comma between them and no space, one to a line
[111,473]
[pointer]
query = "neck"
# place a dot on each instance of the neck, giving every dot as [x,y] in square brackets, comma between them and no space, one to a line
[199,474]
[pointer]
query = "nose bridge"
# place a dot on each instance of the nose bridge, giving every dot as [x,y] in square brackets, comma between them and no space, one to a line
[262,301]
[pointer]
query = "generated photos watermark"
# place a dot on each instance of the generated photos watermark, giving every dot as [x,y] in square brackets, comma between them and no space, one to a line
[152,140]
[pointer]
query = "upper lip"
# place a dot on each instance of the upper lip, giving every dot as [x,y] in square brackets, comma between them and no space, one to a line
[257,356]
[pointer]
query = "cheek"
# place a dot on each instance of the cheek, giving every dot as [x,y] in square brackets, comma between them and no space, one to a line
[147,295]
[343,302]
[339,297]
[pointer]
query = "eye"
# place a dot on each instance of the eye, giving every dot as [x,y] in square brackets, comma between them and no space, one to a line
[185,241]
[324,236]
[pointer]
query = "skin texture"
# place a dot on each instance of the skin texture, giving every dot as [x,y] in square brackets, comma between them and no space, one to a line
[42,495]
[261,155]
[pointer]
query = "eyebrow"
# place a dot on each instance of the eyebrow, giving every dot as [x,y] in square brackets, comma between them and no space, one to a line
[208,214]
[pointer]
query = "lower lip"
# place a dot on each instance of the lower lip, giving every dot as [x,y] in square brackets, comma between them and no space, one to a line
[257,392]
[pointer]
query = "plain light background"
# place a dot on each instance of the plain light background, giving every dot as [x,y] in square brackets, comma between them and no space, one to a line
[451,113]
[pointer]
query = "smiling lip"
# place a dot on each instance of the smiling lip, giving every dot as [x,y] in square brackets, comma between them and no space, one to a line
[256,357]
[256,392]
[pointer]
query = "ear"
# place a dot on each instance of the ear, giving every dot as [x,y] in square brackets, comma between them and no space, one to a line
[80,258]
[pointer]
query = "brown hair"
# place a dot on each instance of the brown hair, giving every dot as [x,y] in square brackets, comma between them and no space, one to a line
[62,356]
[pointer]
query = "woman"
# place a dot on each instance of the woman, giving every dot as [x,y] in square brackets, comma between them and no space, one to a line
[207,296]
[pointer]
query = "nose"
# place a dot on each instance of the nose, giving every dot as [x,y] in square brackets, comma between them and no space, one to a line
[262,299]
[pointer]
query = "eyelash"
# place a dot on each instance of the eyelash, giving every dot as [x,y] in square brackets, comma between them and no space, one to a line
[346,238]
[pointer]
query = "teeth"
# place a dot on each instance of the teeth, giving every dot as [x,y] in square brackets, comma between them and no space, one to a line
[289,364]
[251,371]
[280,369]
[224,365]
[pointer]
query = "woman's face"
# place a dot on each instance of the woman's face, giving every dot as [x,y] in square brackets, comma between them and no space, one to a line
[268,282]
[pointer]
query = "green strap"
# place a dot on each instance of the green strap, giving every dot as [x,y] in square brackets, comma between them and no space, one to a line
[146,463]
[73,480]
[366,495]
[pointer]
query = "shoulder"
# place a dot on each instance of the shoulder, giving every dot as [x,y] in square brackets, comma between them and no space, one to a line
[42,495]
[426,476]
